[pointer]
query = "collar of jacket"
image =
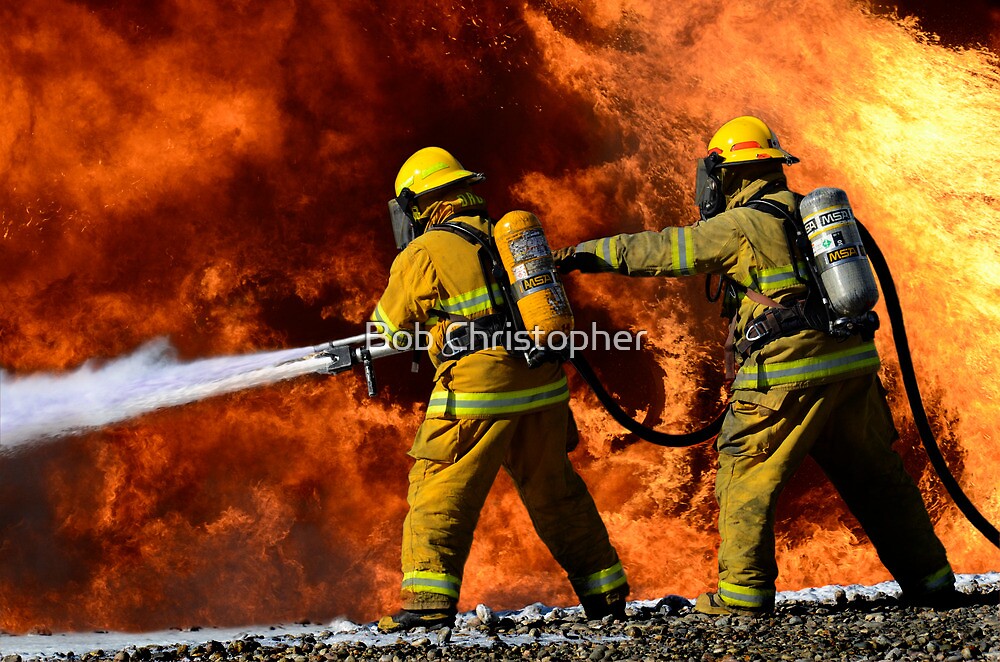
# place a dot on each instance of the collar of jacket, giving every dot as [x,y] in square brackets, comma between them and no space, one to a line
[751,190]
[476,222]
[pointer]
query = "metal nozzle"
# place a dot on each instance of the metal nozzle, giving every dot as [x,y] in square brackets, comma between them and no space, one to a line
[361,339]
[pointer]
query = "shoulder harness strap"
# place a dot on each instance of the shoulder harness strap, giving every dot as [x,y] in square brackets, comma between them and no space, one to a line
[463,341]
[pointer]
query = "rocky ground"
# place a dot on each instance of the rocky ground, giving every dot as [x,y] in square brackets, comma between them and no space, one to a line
[846,626]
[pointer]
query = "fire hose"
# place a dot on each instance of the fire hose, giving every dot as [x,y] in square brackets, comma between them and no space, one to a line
[644,432]
[913,393]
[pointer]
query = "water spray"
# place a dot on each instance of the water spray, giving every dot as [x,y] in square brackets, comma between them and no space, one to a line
[41,407]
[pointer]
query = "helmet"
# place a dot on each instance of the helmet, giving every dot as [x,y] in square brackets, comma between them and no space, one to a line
[432,168]
[740,142]
[429,169]
[747,140]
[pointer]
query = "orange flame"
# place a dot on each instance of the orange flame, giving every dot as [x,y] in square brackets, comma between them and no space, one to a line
[217,172]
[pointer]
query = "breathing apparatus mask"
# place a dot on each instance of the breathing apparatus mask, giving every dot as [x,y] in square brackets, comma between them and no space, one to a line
[404,227]
[708,193]
[452,200]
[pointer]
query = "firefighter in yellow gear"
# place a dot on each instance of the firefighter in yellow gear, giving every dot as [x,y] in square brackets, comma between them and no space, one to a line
[801,393]
[488,410]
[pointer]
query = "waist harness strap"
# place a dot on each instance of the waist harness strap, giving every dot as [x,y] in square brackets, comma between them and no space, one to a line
[777,321]
[771,324]
[468,336]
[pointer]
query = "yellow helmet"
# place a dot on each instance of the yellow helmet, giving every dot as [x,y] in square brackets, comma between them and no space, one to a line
[746,140]
[432,168]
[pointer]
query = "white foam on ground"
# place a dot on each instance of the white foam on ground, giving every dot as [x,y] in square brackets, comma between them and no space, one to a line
[34,646]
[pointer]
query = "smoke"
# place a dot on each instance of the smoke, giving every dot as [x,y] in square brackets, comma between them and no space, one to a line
[46,406]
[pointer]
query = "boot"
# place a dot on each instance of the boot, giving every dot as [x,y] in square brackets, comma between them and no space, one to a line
[712,604]
[611,603]
[409,619]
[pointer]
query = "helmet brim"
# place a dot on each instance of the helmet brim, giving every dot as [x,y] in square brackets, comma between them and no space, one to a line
[455,178]
[749,156]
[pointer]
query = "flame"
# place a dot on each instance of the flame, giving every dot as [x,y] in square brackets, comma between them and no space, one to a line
[216,173]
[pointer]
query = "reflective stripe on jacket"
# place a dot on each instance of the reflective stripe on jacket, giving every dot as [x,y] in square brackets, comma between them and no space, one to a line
[499,403]
[749,247]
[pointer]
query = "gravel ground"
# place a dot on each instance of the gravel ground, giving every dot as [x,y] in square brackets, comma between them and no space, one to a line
[856,626]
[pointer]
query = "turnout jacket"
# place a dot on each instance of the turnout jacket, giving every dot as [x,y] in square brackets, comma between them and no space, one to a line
[436,280]
[749,247]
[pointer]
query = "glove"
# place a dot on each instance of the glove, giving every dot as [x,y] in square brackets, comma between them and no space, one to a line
[565,259]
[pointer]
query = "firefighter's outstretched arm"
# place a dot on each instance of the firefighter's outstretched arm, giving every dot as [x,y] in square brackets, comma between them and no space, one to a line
[705,247]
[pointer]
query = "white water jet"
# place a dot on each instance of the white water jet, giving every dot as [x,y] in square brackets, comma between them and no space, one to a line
[46,406]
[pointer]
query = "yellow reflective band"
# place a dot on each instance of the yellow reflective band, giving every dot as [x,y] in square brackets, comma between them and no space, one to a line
[681,252]
[391,332]
[814,367]
[469,303]
[381,318]
[600,582]
[769,280]
[606,251]
[494,404]
[421,581]
[429,170]
[744,596]
[939,579]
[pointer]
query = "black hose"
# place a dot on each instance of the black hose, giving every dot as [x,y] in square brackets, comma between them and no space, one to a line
[643,432]
[913,392]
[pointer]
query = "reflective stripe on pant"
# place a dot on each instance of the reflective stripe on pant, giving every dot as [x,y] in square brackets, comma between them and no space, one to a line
[456,462]
[745,596]
[603,581]
[847,427]
[439,583]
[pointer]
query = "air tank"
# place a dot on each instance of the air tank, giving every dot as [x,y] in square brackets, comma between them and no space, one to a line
[527,258]
[841,259]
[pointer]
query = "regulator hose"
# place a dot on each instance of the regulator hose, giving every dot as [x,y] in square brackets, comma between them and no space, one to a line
[913,392]
[643,432]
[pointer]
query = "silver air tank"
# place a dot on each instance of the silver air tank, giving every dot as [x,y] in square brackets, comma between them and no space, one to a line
[841,259]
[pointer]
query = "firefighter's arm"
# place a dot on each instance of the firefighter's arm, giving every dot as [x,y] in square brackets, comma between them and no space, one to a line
[706,247]
[409,296]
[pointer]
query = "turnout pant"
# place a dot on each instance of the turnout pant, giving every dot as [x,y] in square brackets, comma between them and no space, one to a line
[847,427]
[455,464]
